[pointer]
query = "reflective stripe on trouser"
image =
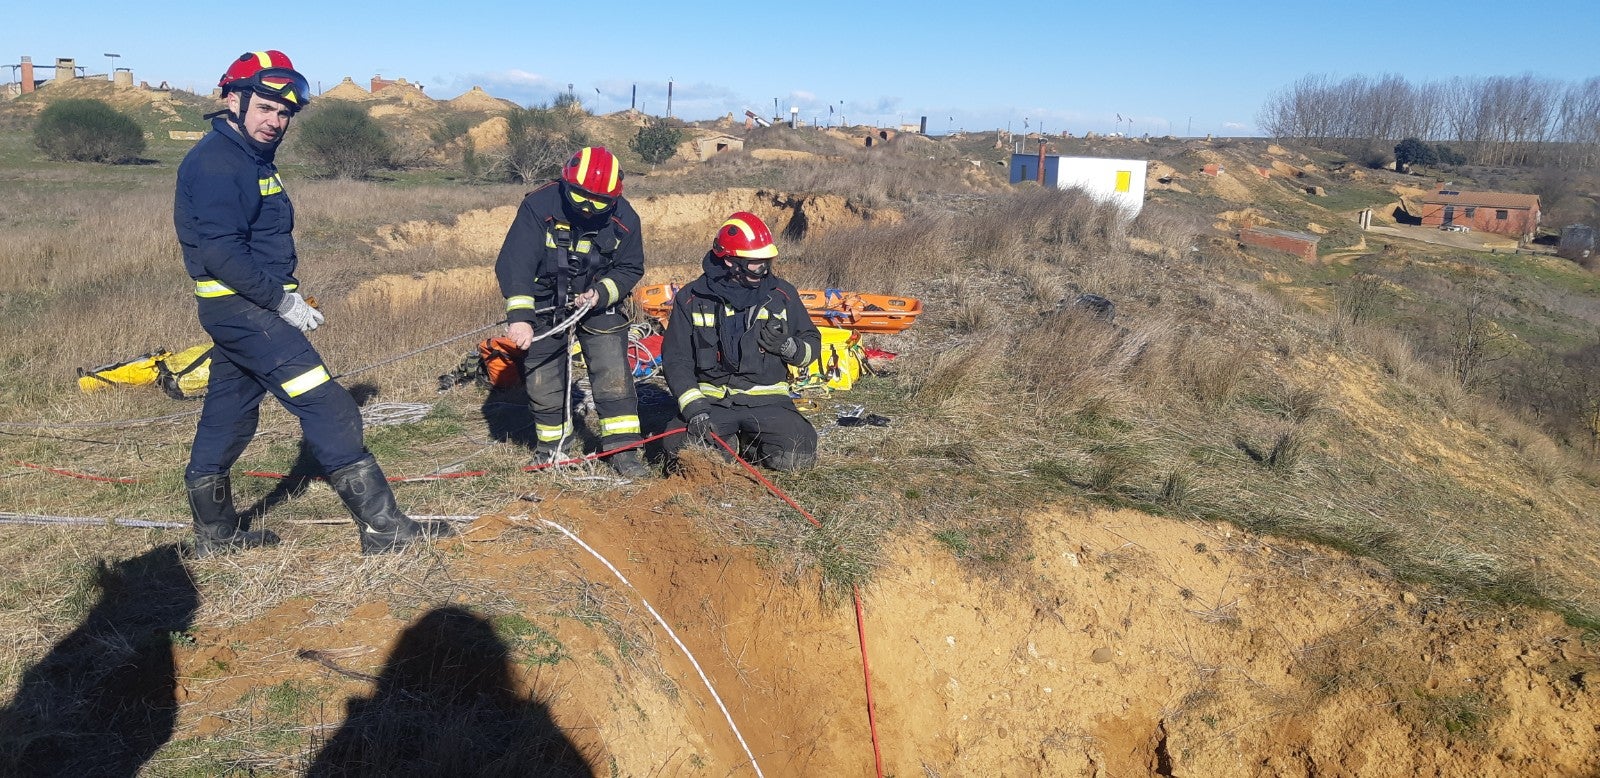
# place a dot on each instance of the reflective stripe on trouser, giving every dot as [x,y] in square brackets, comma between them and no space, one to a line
[774,435]
[605,341]
[256,353]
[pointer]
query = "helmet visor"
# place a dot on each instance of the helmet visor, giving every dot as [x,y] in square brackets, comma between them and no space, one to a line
[281,84]
[588,202]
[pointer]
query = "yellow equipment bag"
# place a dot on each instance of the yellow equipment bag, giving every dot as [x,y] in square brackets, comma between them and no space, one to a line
[184,375]
[138,371]
[839,365]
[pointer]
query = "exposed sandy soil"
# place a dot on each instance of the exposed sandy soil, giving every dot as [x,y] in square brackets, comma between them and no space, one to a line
[1130,645]
[687,218]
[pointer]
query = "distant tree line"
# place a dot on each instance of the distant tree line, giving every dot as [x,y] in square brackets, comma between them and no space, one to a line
[1493,120]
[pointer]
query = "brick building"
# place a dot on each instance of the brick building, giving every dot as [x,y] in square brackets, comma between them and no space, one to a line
[1502,213]
[1300,244]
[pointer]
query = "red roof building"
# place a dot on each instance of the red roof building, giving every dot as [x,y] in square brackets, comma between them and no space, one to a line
[1503,213]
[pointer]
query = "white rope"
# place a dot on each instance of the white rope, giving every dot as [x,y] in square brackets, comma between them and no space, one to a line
[386,414]
[670,633]
[88,521]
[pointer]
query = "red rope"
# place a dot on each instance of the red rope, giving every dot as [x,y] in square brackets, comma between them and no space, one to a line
[861,619]
[75,474]
[602,454]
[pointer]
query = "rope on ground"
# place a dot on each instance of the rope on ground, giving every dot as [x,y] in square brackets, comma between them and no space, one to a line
[601,454]
[389,414]
[670,633]
[88,521]
[855,591]
[74,473]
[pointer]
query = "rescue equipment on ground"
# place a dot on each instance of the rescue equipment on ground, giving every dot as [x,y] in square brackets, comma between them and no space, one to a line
[858,311]
[837,367]
[497,362]
[182,375]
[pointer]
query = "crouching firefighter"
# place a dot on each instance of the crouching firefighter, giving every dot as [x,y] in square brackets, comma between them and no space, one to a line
[576,242]
[731,338]
[235,225]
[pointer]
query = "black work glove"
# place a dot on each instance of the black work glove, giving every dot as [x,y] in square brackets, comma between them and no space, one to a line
[700,427]
[774,338]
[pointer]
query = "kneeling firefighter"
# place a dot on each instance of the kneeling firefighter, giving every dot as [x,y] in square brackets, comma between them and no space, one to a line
[235,224]
[732,336]
[576,242]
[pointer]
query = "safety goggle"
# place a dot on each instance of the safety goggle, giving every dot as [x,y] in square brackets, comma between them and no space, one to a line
[281,84]
[595,202]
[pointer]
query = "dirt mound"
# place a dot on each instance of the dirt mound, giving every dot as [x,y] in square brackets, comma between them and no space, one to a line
[406,292]
[348,90]
[1139,646]
[667,219]
[475,99]
[160,102]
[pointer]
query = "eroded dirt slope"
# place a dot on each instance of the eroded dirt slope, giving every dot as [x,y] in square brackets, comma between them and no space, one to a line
[1130,645]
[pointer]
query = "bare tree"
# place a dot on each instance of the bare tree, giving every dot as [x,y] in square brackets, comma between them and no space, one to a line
[1477,341]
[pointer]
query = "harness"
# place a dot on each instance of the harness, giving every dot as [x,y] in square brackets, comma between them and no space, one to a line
[577,262]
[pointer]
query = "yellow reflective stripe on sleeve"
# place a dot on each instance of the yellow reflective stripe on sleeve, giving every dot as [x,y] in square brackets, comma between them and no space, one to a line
[611,291]
[617,425]
[271,186]
[306,381]
[213,288]
[689,397]
[549,433]
[519,302]
[705,319]
[583,246]
[805,352]
[549,240]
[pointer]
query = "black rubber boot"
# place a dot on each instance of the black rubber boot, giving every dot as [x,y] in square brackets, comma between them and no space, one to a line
[384,529]
[629,465]
[217,527]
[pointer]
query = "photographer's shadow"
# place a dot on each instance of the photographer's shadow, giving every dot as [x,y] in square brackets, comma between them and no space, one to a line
[446,705]
[104,700]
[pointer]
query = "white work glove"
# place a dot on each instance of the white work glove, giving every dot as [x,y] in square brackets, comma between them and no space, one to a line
[295,310]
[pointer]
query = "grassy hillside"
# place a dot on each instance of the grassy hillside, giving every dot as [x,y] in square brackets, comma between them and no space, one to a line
[1274,409]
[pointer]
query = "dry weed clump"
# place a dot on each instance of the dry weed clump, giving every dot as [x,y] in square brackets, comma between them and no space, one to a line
[1071,360]
[1172,227]
[883,258]
[1211,369]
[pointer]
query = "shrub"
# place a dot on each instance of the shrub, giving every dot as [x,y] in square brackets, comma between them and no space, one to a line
[656,142]
[345,140]
[87,131]
[539,139]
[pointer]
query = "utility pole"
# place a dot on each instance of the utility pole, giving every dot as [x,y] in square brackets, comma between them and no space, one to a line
[112,74]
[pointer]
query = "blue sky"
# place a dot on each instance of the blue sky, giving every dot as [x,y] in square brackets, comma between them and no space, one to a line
[1162,66]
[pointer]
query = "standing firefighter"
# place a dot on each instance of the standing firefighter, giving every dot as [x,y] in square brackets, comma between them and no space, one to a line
[733,334]
[236,227]
[576,242]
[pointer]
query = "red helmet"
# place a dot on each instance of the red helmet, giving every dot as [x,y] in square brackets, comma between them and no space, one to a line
[269,74]
[593,170]
[744,235]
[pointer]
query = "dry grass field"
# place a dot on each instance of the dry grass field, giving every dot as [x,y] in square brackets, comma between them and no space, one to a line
[1250,525]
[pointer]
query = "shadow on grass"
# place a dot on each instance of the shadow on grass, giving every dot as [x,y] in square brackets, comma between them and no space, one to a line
[446,705]
[104,699]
